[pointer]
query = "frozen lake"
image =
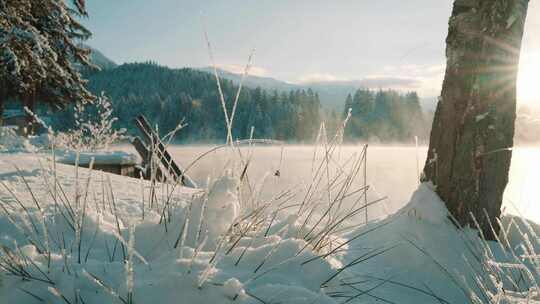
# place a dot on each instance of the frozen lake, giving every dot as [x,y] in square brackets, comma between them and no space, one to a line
[392,172]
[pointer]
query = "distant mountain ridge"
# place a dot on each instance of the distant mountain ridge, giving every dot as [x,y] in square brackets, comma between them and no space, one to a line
[102,61]
[98,59]
[332,94]
[168,96]
[266,83]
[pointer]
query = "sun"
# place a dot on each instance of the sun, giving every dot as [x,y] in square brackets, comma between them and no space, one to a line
[528,83]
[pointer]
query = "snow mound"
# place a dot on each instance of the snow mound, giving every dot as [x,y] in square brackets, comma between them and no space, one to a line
[425,205]
[11,142]
[432,261]
[222,206]
[110,240]
[233,288]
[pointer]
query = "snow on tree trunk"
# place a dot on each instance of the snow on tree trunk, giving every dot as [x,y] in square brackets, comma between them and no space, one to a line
[468,157]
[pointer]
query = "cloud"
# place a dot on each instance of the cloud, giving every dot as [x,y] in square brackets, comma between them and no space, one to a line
[239,69]
[366,82]
[390,82]
[426,79]
[417,70]
[321,77]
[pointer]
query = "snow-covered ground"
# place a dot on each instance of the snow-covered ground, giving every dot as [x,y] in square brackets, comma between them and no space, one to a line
[161,258]
[71,235]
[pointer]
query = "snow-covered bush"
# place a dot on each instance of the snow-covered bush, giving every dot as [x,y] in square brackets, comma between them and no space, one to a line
[90,238]
[93,128]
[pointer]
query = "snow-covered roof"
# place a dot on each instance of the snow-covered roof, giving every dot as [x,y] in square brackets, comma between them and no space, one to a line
[100,158]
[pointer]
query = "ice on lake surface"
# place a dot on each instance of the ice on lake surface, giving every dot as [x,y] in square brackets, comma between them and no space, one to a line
[392,172]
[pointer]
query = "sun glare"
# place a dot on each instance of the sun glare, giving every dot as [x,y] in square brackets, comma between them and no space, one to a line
[528,91]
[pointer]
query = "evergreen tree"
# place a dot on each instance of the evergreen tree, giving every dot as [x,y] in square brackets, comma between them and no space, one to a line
[168,96]
[348,104]
[38,49]
[384,115]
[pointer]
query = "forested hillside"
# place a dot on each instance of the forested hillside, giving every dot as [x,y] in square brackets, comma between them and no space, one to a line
[386,116]
[168,96]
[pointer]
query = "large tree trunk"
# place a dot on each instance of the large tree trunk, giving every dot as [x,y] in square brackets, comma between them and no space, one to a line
[468,157]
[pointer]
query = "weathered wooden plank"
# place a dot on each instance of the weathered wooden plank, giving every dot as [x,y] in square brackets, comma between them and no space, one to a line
[145,154]
[152,140]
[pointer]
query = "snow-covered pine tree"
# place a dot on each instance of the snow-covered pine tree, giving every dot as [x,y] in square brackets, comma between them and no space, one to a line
[39,45]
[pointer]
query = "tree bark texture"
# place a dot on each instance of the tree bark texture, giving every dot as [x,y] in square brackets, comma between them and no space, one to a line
[469,152]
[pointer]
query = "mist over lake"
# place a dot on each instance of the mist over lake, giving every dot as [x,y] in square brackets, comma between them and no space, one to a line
[392,172]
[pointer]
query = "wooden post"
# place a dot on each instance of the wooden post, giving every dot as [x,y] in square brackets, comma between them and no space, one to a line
[153,141]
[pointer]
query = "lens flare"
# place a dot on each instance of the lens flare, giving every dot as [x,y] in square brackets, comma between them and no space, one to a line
[528,84]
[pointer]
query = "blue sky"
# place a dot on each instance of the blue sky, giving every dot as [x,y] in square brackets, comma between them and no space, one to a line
[295,40]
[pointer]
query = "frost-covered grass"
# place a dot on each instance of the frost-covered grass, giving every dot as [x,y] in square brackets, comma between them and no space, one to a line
[93,128]
[510,270]
[75,235]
